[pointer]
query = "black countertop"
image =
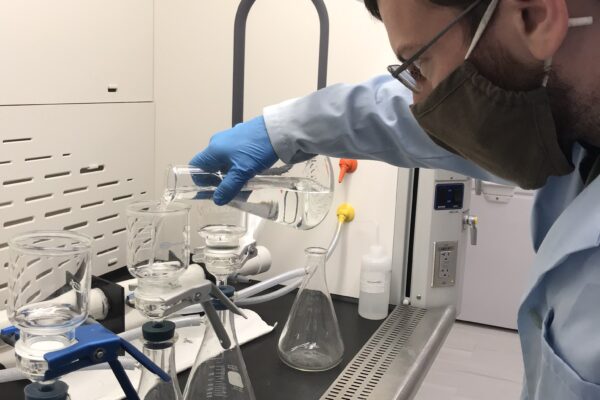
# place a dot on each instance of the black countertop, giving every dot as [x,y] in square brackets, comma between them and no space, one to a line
[270,377]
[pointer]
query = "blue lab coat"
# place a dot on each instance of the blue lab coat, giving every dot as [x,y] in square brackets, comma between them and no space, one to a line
[559,318]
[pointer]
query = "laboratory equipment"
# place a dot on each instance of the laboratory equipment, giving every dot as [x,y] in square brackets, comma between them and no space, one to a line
[57,390]
[347,166]
[159,346]
[297,195]
[49,284]
[157,250]
[96,345]
[375,279]
[219,371]
[157,241]
[226,249]
[311,339]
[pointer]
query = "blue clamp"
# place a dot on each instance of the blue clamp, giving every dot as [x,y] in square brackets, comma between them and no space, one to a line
[96,345]
[10,331]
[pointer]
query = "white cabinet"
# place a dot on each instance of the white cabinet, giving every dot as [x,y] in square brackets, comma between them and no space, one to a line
[73,51]
[497,268]
[74,167]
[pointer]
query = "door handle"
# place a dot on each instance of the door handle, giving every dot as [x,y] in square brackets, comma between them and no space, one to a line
[471,222]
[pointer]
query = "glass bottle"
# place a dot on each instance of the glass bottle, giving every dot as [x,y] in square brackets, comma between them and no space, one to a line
[297,195]
[311,339]
[159,346]
[219,373]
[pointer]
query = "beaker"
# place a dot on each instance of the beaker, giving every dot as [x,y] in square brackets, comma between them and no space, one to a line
[219,373]
[311,339]
[157,250]
[297,195]
[49,283]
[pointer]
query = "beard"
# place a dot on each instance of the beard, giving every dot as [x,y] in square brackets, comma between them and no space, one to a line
[576,115]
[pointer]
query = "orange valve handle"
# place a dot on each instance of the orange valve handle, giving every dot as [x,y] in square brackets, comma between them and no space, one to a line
[347,166]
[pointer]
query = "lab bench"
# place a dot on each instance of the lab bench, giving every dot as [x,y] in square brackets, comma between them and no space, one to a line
[270,377]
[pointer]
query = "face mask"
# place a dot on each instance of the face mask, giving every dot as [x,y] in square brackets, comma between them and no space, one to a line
[510,134]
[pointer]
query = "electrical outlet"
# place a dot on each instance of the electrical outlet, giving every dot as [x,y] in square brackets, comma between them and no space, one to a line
[444,268]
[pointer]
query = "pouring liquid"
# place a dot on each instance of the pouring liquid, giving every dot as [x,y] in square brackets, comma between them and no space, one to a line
[300,203]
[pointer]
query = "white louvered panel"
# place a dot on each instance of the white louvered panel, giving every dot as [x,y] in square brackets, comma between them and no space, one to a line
[74,167]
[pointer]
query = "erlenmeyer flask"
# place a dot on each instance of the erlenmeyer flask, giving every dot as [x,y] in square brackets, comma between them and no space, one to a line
[297,195]
[159,346]
[219,373]
[311,339]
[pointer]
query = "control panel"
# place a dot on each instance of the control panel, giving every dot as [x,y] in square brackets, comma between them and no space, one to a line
[445,261]
[449,196]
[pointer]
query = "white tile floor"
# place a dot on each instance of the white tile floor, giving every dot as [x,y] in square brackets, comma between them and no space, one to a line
[476,363]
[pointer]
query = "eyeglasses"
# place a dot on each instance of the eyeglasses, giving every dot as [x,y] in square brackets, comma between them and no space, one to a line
[409,72]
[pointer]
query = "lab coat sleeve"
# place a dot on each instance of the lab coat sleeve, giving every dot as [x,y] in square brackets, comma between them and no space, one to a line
[369,121]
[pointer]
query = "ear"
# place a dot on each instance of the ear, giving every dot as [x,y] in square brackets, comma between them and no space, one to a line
[541,24]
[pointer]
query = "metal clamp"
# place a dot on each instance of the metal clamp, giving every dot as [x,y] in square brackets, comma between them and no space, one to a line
[186,295]
[239,255]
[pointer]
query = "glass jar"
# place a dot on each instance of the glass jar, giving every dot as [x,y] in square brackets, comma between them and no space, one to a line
[295,195]
[157,241]
[49,284]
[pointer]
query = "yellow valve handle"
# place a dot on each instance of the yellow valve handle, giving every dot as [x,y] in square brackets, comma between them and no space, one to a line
[345,213]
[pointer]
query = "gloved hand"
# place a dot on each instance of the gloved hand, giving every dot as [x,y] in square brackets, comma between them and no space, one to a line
[242,152]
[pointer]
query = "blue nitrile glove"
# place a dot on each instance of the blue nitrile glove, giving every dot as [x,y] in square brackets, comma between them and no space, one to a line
[242,152]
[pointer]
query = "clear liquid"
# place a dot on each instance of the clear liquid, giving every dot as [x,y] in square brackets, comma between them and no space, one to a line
[300,203]
[48,318]
[160,271]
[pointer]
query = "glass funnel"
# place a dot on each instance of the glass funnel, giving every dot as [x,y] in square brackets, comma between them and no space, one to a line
[157,250]
[311,339]
[219,373]
[49,284]
[223,251]
[297,195]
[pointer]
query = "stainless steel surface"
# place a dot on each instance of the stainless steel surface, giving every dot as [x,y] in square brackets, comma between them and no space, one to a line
[394,362]
[471,222]
[444,264]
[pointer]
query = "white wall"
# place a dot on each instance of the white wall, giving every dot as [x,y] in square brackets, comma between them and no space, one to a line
[58,118]
[193,74]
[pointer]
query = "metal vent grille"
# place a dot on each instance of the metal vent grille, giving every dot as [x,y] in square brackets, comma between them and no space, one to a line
[74,169]
[365,371]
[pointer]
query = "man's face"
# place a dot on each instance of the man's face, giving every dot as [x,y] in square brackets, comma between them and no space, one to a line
[413,23]
[507,56]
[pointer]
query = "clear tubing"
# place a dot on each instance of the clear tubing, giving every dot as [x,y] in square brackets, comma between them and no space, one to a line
[15,374]
[334,242]
[271,296]
[269,283]
[11,374]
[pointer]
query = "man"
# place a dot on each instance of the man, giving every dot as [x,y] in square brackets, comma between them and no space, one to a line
[503,90]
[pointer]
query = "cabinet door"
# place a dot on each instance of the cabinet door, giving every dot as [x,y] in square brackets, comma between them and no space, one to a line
[74,167]
[497,268]
[72,51]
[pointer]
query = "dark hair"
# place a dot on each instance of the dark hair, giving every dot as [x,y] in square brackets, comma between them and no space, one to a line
[473,18]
